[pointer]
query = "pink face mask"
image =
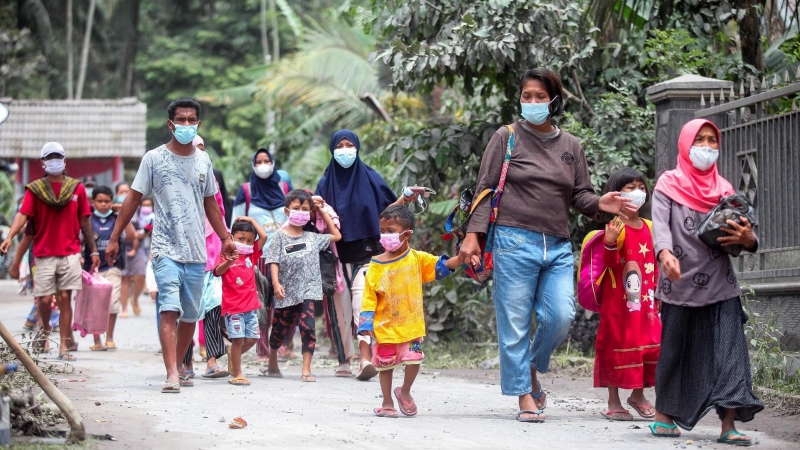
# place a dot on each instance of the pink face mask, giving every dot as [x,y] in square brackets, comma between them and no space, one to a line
[299,218]
[391,241]
[244,249]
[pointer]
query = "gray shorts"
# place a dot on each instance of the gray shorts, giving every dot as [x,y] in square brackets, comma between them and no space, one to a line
[57,273]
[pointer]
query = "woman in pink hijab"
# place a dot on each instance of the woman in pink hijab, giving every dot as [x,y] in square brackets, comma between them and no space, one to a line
[704,362]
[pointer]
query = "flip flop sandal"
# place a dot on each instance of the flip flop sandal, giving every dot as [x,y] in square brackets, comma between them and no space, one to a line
[111,345]
[408,409]
[186,381]
[310,378]
[538,395]
[619,415]
[738,442]
[640,409]
[188,373]
[537,419]
[343,374]
[216,372]
[171,388]
[240,381]
[367,372]
[67,357]
[74,347]
[271,374]
[655,425]
[98,348]
[386,412]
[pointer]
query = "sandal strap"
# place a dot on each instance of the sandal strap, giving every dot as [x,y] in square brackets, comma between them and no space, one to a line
[735,433]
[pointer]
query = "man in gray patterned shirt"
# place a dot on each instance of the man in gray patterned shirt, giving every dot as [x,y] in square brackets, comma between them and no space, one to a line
[181,181]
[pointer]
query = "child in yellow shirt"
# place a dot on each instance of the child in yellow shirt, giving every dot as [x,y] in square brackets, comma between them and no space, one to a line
[391,309]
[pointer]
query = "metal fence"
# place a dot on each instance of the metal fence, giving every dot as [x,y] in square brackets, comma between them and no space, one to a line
[760,156]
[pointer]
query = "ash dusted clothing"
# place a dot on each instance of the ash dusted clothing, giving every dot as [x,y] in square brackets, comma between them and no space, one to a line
[544,175]
[178,185]
[297,258]
[707,275]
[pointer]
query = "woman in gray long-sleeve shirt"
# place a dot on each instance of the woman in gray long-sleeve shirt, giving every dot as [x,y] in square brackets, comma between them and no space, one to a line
[704,362]
[533,263]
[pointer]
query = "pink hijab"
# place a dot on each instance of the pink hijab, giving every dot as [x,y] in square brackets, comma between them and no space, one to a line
[689,186]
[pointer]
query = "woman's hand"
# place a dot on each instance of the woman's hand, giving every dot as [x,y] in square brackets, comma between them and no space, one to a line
[738,234]
[670,265]
[614,203]
[280,292]
[470,253]
[613,229]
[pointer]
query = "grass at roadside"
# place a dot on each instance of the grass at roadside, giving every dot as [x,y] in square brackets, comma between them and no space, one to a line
[457,354]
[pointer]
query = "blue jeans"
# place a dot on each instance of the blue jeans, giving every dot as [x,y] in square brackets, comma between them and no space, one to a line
[180,287]
[533,272]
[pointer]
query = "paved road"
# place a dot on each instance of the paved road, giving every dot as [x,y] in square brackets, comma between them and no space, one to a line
[457,412]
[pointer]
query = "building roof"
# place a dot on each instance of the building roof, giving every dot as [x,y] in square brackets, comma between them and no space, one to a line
[86,128]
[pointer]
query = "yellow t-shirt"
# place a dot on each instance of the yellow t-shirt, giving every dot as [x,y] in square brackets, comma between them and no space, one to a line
[393,291]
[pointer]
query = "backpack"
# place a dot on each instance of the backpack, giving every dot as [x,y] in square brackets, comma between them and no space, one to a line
[592,268]
[466,207]
[327,265]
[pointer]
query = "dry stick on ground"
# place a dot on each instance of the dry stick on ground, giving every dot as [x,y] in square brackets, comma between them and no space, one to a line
[67,408]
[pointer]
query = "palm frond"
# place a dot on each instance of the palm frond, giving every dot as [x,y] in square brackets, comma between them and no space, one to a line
[626,12]
[237,95]
[294,22]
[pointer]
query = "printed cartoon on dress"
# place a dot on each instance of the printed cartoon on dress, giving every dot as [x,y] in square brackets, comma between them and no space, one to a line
[633,285]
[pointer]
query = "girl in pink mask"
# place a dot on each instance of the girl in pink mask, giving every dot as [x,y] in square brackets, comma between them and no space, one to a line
[296,279]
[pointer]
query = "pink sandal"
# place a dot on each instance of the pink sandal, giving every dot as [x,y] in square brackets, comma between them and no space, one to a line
[619,415]
[408,409]
[641,408]
[385,412]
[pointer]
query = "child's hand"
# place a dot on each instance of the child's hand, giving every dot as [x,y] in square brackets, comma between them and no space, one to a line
[280,292]
[318,202]
[613,229]
[233,256]
[244,219]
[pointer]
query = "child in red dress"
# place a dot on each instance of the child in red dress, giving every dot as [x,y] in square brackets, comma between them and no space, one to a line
[629,337]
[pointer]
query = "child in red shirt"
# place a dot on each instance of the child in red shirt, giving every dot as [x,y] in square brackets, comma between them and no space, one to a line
[239,294]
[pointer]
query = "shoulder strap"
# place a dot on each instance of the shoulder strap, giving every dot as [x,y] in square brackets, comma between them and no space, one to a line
[246,188]
[621,237]
[506,160]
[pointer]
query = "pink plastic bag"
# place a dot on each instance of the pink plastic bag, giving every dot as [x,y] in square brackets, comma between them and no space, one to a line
[92,305]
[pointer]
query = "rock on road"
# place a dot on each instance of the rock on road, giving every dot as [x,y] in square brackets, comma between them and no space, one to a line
[455,412]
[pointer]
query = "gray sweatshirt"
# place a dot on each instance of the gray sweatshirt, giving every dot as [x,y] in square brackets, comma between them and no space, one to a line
[707,275]
[548,173]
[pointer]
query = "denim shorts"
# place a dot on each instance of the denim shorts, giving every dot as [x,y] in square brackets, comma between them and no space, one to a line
[243,325]
[180,287]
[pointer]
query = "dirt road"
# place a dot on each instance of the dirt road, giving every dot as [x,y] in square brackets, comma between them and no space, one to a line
[457,410]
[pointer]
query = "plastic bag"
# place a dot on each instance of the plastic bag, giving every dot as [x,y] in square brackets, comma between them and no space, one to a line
[92,305]
[729,208]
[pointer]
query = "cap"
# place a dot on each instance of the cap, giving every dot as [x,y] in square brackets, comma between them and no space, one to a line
[52,147]
[198,141]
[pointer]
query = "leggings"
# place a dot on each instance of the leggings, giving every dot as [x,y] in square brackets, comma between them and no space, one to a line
[215,345]
[284,319]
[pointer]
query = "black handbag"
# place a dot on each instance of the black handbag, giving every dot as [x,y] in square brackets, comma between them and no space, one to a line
[731,207]
[327,267]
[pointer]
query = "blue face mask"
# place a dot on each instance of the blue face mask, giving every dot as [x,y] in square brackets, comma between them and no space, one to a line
[184,133]
[346,157]
[536,113]
[120,198]
[101,215]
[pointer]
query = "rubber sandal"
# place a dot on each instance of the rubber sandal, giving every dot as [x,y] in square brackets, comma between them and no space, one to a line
[537,419]
[67,357]
[538,396]
[386,412]
[343,374]
[170,388]
[640,409]
[186,381]
[310,378]
[270,374]
[738,442]
[619,415]
[188,373]
[655,425]
[239,381]
[111,345]
[408,409]
[367,372]
[216,372]
[74,347]
[98,348]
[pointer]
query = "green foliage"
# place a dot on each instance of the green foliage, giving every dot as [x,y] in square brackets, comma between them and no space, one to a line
[675,52]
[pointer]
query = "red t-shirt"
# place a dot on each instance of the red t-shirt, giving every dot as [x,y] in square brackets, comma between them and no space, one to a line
[239,292]
[56,232]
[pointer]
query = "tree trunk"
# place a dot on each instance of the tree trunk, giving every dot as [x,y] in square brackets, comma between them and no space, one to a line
[87,41]
[267,60]
[128,56]
[750,34]
[276,48]
[70,69]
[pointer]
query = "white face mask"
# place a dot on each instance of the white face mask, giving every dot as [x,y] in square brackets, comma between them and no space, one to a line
[263,171]
[703,157]
[54,166]
[637,196]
